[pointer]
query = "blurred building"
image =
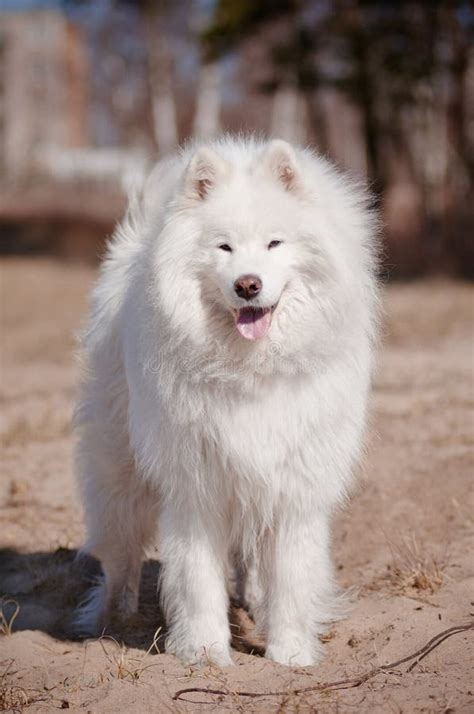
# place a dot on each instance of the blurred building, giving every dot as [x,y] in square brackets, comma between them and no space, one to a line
[43,88]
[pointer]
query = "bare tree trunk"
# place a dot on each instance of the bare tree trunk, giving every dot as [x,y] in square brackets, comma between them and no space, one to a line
[367,99]
[288,119]
[316,120]
[459,136]
[165,125]
[208,102]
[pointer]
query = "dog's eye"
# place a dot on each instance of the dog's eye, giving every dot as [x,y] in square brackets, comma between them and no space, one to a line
[226,247]
[274,244]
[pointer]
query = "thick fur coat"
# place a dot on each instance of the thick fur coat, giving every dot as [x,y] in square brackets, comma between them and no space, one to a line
[228,358]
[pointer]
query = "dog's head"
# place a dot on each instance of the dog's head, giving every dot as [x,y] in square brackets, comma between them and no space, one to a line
[266,256]
[249,217]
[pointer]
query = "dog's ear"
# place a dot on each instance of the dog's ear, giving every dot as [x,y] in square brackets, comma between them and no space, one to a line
[205,170]
[280,159]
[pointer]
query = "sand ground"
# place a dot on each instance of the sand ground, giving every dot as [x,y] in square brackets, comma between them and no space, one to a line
[404,541]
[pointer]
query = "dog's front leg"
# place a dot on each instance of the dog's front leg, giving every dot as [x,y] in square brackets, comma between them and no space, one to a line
[193,586]
[299,588]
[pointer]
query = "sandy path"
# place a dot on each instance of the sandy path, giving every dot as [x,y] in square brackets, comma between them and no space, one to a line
[405,541]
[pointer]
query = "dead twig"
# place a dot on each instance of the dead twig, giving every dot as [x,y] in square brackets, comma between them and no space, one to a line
[415,658]
[6,625]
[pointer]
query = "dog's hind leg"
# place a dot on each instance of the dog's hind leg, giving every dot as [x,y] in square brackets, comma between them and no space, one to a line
[250,591]
[121,517]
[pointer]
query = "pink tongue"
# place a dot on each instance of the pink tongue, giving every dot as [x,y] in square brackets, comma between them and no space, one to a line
[253,324]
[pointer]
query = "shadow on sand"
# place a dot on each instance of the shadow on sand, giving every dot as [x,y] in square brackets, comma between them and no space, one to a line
[40,591]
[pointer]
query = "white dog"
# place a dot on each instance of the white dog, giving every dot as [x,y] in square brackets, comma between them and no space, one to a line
[228,359]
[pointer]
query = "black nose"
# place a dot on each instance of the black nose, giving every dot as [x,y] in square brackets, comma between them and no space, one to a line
[248,286]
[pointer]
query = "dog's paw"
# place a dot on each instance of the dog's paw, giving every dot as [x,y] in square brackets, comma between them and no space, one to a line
[294,652]
[90,617]
[216,652]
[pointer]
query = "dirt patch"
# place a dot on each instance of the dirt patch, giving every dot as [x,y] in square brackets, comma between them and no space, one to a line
[405,541]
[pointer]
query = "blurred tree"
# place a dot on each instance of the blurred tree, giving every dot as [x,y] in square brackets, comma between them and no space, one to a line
[165,22]
[208,94]
[385,88]
[377,52]
[291,79]
[154,17]
[405,66]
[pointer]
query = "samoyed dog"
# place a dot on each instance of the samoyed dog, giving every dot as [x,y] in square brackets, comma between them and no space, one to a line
[228,358]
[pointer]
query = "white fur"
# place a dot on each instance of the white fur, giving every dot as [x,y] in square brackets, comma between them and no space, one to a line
[231,446]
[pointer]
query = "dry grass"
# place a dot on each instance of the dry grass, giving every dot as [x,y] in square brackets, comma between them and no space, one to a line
[6,622]
[123,665]
[49,425]
[14,698]
[414,569]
